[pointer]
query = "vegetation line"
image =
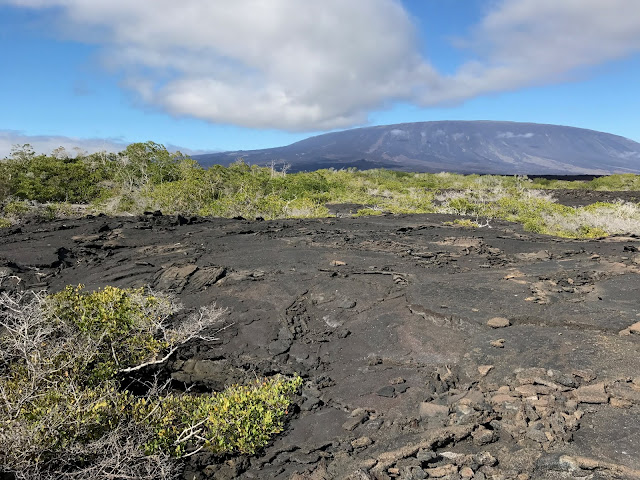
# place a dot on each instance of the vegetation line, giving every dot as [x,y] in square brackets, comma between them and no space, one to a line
[146,177]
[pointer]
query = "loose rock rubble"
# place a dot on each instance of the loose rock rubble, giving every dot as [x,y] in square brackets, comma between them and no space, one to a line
[535,410]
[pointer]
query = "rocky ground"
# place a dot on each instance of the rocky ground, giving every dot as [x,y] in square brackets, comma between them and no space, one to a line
[428,350]
[580,198]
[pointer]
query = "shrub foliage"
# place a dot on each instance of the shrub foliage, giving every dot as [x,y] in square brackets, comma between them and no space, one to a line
[64,412]
[145,176]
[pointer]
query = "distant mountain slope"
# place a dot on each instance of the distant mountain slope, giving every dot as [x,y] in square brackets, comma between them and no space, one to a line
[455,146]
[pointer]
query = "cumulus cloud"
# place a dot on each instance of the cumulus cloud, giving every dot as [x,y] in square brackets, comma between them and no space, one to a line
[258,63]
[321,65]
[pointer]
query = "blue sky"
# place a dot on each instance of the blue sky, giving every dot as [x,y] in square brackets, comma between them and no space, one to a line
[244,74]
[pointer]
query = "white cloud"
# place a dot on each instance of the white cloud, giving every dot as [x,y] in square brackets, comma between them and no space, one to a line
[258,63]
[298,65]
[534,42]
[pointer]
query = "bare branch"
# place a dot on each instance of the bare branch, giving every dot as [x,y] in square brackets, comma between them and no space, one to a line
[173,350]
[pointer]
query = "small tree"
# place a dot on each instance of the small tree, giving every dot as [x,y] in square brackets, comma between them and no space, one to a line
[149,163]
[22,153]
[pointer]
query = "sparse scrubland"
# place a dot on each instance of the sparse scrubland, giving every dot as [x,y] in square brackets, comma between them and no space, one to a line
[70,405]
[145,176]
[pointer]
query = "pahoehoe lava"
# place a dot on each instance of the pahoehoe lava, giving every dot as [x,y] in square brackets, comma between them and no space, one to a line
[386,318]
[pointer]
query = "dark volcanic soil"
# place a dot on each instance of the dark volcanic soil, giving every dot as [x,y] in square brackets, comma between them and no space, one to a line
[386,318]
[580,198]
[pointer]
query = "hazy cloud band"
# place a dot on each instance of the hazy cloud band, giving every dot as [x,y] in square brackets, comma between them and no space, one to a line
[45,144]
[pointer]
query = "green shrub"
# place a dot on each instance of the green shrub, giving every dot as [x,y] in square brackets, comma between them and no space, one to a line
[626,181]
[364,212]
[127,203]
[463,206]
[305,208]
[239,419]
[49,179]
[465,223]
[64,411]
[123,323]
[55,210]
[17,208]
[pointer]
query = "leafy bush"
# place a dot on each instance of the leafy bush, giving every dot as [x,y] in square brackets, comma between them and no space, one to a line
[64,412]
[48,179]
[465,223]
[16,208]
[364,212]
[626,181]
[123,323]
[239,419]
